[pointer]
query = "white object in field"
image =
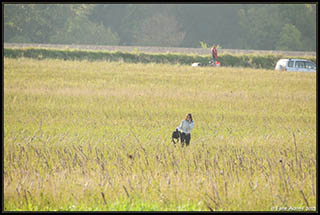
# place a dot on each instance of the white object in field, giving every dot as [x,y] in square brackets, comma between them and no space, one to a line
[196,64]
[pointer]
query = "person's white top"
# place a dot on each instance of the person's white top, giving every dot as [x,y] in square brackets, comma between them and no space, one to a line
[185,126]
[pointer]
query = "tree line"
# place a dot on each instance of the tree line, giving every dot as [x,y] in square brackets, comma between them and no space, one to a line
[288,27]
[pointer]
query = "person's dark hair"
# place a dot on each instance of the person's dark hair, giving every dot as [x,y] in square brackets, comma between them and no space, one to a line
[189,114]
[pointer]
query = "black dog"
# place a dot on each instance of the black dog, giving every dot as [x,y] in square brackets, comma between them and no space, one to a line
[175,136]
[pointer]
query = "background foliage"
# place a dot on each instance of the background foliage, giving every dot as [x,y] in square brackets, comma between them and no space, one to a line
[237,26]
[265,61]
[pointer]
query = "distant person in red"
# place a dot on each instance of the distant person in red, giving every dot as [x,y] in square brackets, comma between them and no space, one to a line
[214,53]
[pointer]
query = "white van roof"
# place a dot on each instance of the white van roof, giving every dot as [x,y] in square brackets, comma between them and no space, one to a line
[295,59]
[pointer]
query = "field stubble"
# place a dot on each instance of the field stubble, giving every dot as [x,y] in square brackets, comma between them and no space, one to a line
[82,135]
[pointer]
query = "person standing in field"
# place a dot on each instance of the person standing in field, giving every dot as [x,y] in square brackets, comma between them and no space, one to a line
[214,53]
[185,128]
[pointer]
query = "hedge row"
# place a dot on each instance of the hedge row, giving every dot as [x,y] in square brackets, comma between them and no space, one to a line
[250,60]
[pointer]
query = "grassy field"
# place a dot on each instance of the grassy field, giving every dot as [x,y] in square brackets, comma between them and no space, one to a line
[96,136]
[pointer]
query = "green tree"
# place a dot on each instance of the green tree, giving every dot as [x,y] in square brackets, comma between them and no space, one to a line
[126,19]
[159,30]
[261,26]
[54,23]
[119,18]
[33,22]
[79,30]
[246,26]
[303,17]
[14,23]
[290,39]
[209,23]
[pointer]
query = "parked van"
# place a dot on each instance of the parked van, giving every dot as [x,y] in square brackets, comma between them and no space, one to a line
[296,65]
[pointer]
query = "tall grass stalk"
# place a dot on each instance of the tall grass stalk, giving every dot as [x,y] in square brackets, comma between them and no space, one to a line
[92,136]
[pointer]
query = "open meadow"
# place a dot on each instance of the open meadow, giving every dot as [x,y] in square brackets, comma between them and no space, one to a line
[96,136]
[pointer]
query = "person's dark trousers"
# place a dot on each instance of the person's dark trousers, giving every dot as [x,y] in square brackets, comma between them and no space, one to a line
[185,139]
[214,60]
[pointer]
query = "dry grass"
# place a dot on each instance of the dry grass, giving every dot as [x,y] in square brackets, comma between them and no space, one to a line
[96,136]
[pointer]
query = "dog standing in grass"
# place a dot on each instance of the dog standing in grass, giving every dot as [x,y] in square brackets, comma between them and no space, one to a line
[185,128]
